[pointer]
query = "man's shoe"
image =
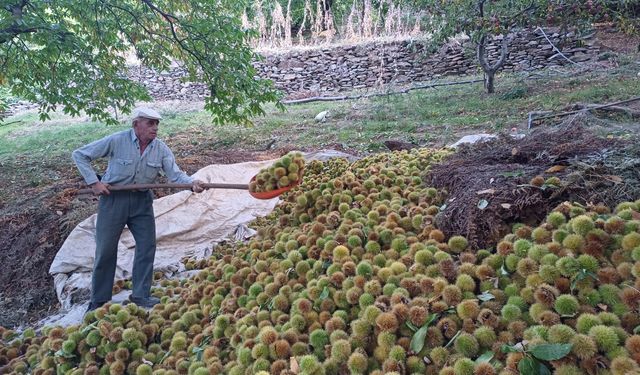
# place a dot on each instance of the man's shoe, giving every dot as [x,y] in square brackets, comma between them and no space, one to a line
[146,302]
[94,305]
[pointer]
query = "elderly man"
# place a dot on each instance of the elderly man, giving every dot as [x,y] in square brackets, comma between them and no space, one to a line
[135,157]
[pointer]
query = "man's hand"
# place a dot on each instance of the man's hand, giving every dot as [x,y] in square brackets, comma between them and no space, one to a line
[99,188]
[197,186]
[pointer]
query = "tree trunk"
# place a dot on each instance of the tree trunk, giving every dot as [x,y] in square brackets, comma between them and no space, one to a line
[488,69]
[489,81]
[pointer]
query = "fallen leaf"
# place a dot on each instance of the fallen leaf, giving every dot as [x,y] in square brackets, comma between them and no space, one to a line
[506,205]
[556,169]
[514,151]
[486,191]
[614,179]
[293,365]
[602,306]
[491,180]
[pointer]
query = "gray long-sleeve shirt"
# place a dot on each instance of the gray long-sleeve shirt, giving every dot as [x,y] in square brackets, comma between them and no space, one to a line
[126,165]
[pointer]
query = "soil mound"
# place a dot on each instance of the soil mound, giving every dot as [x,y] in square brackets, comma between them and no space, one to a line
[495,184]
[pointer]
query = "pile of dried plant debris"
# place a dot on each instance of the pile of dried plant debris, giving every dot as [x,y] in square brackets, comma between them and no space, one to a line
[494,184]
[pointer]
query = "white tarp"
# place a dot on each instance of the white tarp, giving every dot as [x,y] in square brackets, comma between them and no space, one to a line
[187,225]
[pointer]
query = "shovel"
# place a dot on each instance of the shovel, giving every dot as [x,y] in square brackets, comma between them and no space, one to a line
[257,195]
[167,186]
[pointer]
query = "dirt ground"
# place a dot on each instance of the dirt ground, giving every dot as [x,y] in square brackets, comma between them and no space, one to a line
[611,39]
[35,226]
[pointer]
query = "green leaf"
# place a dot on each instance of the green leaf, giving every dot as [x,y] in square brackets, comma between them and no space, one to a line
[485,357]
[325,293]
[198,352]
[581,275]
[636,330]
[542,368]
[483,203]
[453,339]
[486,296]
[88,328]
[417,341]
[411,326]
[527,366]
[550,352]
[432,319]
[62,353]
[165,356]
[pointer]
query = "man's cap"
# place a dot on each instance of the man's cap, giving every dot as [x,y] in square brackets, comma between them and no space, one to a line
[146,112]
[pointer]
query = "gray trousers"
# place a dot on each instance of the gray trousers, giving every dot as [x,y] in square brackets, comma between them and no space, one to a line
[135,209]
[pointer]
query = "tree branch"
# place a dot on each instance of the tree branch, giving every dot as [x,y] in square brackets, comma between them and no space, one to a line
[503,54]
[13,31]
[171,19]
[481,7]
[16,27]
[588,108]
[154,35]
[480,51]
[482,55]
[371,95]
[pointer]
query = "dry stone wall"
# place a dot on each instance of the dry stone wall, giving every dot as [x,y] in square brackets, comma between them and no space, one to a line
[333,69]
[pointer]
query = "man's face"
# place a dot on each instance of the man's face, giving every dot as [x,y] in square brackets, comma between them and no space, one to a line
[146,129]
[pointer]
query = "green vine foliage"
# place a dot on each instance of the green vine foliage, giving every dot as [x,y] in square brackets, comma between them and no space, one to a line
[71,55]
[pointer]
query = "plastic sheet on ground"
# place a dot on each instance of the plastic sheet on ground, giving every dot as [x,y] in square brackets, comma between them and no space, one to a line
[187,225]
[473,138]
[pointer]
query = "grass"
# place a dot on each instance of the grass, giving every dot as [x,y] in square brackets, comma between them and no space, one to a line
[31,151]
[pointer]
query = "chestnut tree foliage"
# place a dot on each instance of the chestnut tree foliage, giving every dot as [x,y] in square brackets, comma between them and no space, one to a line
[71,54]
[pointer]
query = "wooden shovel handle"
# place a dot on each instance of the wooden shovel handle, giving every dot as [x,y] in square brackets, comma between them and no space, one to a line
[169,186]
